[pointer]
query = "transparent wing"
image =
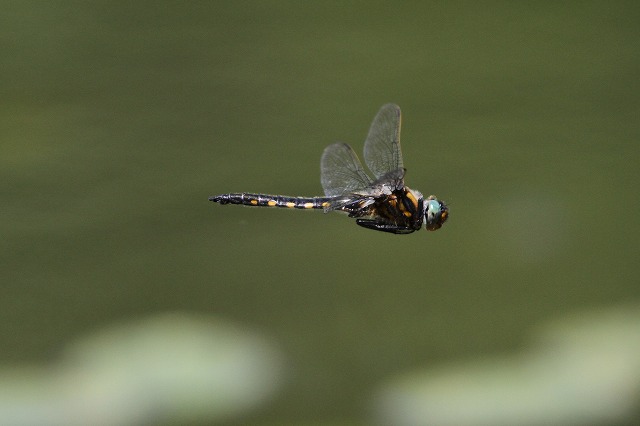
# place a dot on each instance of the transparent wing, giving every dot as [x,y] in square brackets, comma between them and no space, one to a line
[382,147]
[341,172]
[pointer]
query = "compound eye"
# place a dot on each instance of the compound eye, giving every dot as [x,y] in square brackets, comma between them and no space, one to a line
[433,208]
[435,214]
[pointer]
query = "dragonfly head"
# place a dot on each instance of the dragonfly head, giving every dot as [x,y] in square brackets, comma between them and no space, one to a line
[436,213]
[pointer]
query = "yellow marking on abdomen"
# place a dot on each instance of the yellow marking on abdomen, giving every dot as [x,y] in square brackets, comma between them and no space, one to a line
[325,204]
[254,202]
[308,205]
[290,204]
[271,203]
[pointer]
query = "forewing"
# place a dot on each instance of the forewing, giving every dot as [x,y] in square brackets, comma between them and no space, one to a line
[382,148]
[341,172]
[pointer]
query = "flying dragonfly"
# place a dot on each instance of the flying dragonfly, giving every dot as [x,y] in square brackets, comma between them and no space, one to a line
[380,201]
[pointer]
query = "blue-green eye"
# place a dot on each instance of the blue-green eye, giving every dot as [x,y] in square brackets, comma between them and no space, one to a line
[434,207]
[435,214]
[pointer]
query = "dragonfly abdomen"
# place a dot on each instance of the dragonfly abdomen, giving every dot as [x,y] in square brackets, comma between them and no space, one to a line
[266,200]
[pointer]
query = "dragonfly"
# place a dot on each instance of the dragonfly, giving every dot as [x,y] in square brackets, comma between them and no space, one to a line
[379,200]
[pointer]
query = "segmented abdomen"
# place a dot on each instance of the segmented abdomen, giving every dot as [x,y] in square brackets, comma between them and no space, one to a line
[266,200]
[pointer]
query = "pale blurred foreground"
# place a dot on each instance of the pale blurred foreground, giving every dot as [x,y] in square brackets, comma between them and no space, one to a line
[579,370]
[174,368]
[171,368]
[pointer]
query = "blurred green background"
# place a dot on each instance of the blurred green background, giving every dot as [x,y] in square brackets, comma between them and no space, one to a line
[119,119]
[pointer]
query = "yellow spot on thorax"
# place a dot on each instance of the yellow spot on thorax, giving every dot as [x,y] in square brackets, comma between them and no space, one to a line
[412,197]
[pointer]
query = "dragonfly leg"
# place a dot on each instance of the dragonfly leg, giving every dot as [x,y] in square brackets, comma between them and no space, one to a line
[383,226]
